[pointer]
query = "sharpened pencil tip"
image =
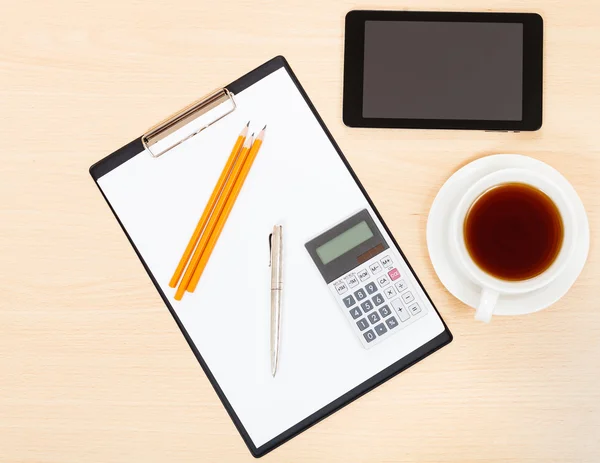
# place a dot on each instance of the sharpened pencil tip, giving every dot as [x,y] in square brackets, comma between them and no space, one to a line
[248,124]
[264,127]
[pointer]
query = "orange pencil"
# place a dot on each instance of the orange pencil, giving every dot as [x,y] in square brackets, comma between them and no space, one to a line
[209,207]
[227,189]
[227,209]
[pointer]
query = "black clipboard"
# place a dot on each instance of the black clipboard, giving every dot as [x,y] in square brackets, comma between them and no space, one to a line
[140,144]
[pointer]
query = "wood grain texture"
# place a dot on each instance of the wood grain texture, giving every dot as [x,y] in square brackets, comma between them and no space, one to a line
[93,368]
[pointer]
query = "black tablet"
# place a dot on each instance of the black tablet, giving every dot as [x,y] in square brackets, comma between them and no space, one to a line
[438,70]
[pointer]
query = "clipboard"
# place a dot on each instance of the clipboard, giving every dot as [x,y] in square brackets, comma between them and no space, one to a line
[156,187]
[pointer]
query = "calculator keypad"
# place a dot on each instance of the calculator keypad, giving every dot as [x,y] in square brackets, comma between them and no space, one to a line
[378,299]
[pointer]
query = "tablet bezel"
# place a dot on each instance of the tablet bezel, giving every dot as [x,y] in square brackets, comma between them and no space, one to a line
[532,70]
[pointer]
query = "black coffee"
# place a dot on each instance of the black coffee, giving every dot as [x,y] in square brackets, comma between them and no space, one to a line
[513,231]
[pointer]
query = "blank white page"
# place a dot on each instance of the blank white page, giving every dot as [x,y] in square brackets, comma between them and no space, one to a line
[299,180]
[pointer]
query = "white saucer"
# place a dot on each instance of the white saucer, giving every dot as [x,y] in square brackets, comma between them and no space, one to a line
[452,275]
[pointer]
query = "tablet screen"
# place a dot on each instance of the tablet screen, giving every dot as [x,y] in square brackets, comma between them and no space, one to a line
[443,70]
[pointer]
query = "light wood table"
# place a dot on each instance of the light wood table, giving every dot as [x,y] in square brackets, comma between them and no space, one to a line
[92,366]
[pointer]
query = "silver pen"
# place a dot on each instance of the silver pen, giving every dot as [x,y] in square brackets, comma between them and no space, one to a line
[276,293]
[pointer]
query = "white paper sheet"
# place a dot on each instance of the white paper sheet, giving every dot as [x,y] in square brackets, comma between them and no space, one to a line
[299,180]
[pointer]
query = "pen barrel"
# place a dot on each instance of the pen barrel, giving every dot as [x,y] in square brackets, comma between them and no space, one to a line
[276,292]
[277,258]
[275,326]
[275,312]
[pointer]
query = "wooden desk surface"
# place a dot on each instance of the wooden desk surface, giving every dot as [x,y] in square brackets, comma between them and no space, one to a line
[93,368]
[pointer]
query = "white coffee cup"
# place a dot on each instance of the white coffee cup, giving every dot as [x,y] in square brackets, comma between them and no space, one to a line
[493,288]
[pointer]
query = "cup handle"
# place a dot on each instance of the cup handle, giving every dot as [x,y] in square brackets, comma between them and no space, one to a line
[487,302]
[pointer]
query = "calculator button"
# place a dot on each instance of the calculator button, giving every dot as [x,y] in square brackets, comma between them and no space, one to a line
[403,313]
[355,312]
[385,311]
[351,280]
[373,318]
[371,288]
[378,299]
[349,301]
[375,267]
[341,287]
[369,336]
[362,324]
[389,292]
[408,297]
[401,286]
[360,294]
[363,275]
[394,274]
[414,309]
[366,306]
[397,303]
[381,329]
[386,261]
[391,323]
[383,280]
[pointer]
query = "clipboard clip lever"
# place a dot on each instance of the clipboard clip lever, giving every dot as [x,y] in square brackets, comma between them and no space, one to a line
[191,112]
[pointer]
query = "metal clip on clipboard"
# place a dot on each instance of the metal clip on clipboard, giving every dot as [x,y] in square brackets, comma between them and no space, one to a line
[191,112]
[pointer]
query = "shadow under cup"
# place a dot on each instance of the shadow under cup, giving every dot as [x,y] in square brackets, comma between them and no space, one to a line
[513,231]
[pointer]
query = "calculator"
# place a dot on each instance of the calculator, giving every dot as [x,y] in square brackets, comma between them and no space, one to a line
[369,279]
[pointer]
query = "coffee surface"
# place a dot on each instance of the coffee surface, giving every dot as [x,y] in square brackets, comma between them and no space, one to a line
[513,231]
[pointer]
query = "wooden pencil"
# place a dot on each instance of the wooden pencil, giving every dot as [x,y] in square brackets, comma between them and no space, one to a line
[221,202]
[226,211]
[209,207]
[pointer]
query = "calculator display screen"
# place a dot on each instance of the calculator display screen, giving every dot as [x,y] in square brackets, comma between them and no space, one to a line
[344,242]
[346,245]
